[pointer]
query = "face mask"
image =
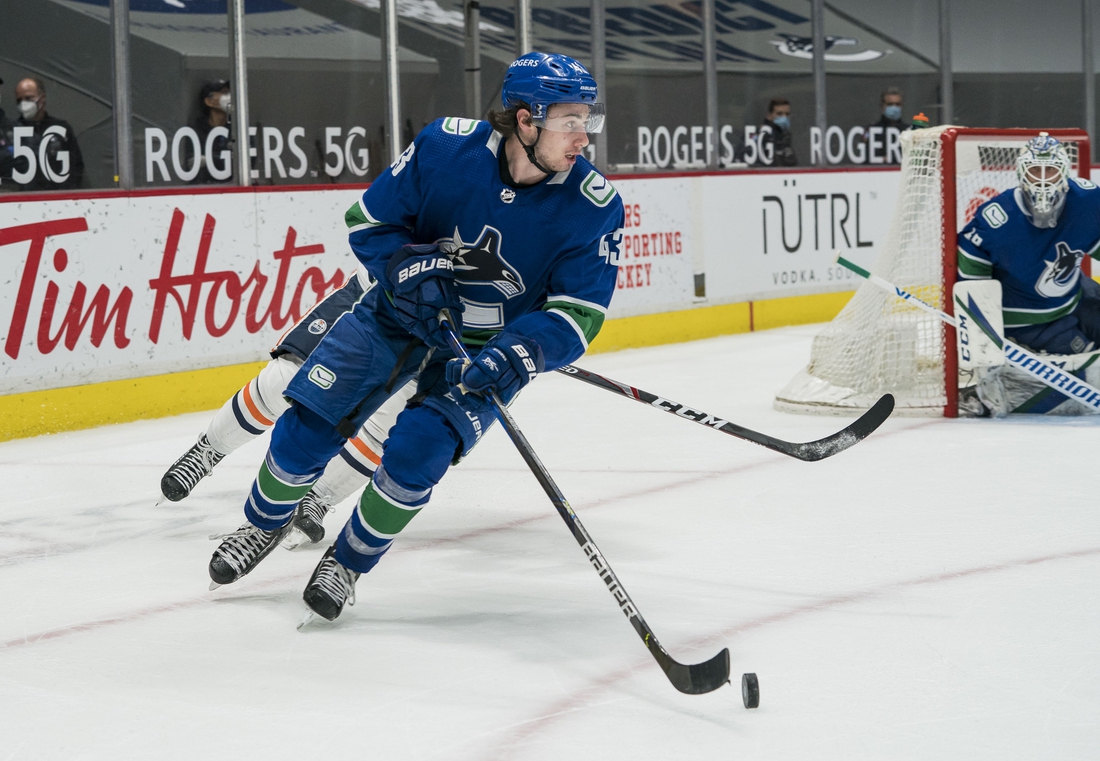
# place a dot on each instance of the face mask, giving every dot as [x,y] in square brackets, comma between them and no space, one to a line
[783,122]
[29,108]
[892,112]
[224,101]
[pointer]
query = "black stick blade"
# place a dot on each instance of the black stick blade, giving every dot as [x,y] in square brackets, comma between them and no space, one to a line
[848,437]
[699,678]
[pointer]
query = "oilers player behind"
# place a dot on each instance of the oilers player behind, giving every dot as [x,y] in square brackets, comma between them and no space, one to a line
[1032,239]
[259,403]
[504,224]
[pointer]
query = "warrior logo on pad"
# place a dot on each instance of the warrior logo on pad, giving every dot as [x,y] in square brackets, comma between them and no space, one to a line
[1060,276]
[480,263]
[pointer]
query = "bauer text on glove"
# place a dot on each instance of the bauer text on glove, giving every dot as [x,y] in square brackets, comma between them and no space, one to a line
[422,281]
[506,364]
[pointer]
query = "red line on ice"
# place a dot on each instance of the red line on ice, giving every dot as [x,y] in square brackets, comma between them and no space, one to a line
[569,705]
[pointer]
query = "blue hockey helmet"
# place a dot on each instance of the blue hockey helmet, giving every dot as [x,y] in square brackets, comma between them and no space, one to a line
[540,80]
[1042,169]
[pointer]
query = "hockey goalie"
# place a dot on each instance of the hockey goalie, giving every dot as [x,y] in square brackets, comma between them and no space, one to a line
[1031,239]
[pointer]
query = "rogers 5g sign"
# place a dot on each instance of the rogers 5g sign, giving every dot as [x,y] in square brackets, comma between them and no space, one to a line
[56,174]
[182,157]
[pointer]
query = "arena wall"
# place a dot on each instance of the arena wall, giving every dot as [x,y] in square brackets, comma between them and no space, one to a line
[121,306]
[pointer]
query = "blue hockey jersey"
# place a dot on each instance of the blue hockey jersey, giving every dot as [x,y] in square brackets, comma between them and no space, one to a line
[1039,268]
[539,260]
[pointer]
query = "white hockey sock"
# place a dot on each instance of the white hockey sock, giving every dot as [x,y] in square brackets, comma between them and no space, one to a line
[254,409]
[350,470]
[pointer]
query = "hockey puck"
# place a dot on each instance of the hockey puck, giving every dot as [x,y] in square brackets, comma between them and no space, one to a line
[750,690]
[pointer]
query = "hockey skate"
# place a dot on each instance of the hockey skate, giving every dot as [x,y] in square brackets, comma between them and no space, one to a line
[308,518]
[185,473]
[241,551]
[329,588]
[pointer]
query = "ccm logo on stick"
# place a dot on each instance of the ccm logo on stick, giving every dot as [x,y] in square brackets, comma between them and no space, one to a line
[688,412]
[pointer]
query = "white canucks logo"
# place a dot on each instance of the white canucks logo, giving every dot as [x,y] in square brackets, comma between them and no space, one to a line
[803,47]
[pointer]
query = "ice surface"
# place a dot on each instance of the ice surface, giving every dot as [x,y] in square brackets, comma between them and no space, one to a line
[933,592]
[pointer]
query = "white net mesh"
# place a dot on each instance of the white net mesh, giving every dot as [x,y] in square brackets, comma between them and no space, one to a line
[878,344]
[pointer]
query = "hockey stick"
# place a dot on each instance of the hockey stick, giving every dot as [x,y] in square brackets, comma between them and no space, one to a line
[1016,355]
[810,451]
[693,679]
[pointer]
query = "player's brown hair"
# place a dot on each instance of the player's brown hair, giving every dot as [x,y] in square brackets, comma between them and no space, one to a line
[504,121]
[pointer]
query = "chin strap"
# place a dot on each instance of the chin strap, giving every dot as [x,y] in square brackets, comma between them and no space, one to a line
[530,151]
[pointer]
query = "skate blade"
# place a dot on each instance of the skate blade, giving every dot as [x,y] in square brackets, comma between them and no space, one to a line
[295,539]
[213,585]
[309,618]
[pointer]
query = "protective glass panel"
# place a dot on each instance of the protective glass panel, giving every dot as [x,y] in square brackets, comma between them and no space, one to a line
[876,84]
[316,96]
[56,58]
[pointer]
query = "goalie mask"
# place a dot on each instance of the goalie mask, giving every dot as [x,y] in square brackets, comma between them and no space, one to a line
[1043,172]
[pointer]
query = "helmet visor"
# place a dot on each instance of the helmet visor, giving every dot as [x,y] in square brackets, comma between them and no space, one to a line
[573,117]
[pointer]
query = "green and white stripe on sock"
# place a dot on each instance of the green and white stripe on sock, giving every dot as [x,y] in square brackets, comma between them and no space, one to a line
[379,518]
[274,495]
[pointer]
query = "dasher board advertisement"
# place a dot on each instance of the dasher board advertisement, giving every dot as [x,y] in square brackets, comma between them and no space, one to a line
[113,286]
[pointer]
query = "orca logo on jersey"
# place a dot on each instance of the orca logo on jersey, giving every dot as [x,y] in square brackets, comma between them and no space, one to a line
[1060,276]
[480,263]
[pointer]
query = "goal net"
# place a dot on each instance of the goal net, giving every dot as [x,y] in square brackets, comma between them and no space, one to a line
[879,344]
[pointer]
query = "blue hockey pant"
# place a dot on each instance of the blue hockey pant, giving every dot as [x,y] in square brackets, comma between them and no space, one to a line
[1076,333]
[345,377]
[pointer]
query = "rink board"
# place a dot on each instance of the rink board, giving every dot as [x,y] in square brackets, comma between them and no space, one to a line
[166,300]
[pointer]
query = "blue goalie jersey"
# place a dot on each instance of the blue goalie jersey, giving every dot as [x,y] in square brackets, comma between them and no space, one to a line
[539,260]
[1039,268]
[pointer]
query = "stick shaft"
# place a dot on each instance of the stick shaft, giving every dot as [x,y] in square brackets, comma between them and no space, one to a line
[580,533]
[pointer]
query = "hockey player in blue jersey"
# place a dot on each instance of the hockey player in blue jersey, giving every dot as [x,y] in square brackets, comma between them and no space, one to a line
[504,224]
[1032,239]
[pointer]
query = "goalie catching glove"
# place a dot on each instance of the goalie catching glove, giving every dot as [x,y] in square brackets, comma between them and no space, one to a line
[422,281]
[505,365]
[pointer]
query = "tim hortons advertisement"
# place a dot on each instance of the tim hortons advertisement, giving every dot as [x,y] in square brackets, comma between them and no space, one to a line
[111,288]
[121,287]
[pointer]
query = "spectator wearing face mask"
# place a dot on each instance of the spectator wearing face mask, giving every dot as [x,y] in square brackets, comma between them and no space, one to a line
[891,110]
[215,102]
[57,163]
[7,156]
[775,135]
[891,119]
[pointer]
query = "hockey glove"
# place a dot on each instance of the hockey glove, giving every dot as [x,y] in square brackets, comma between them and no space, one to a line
[506,364]
[422,281]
